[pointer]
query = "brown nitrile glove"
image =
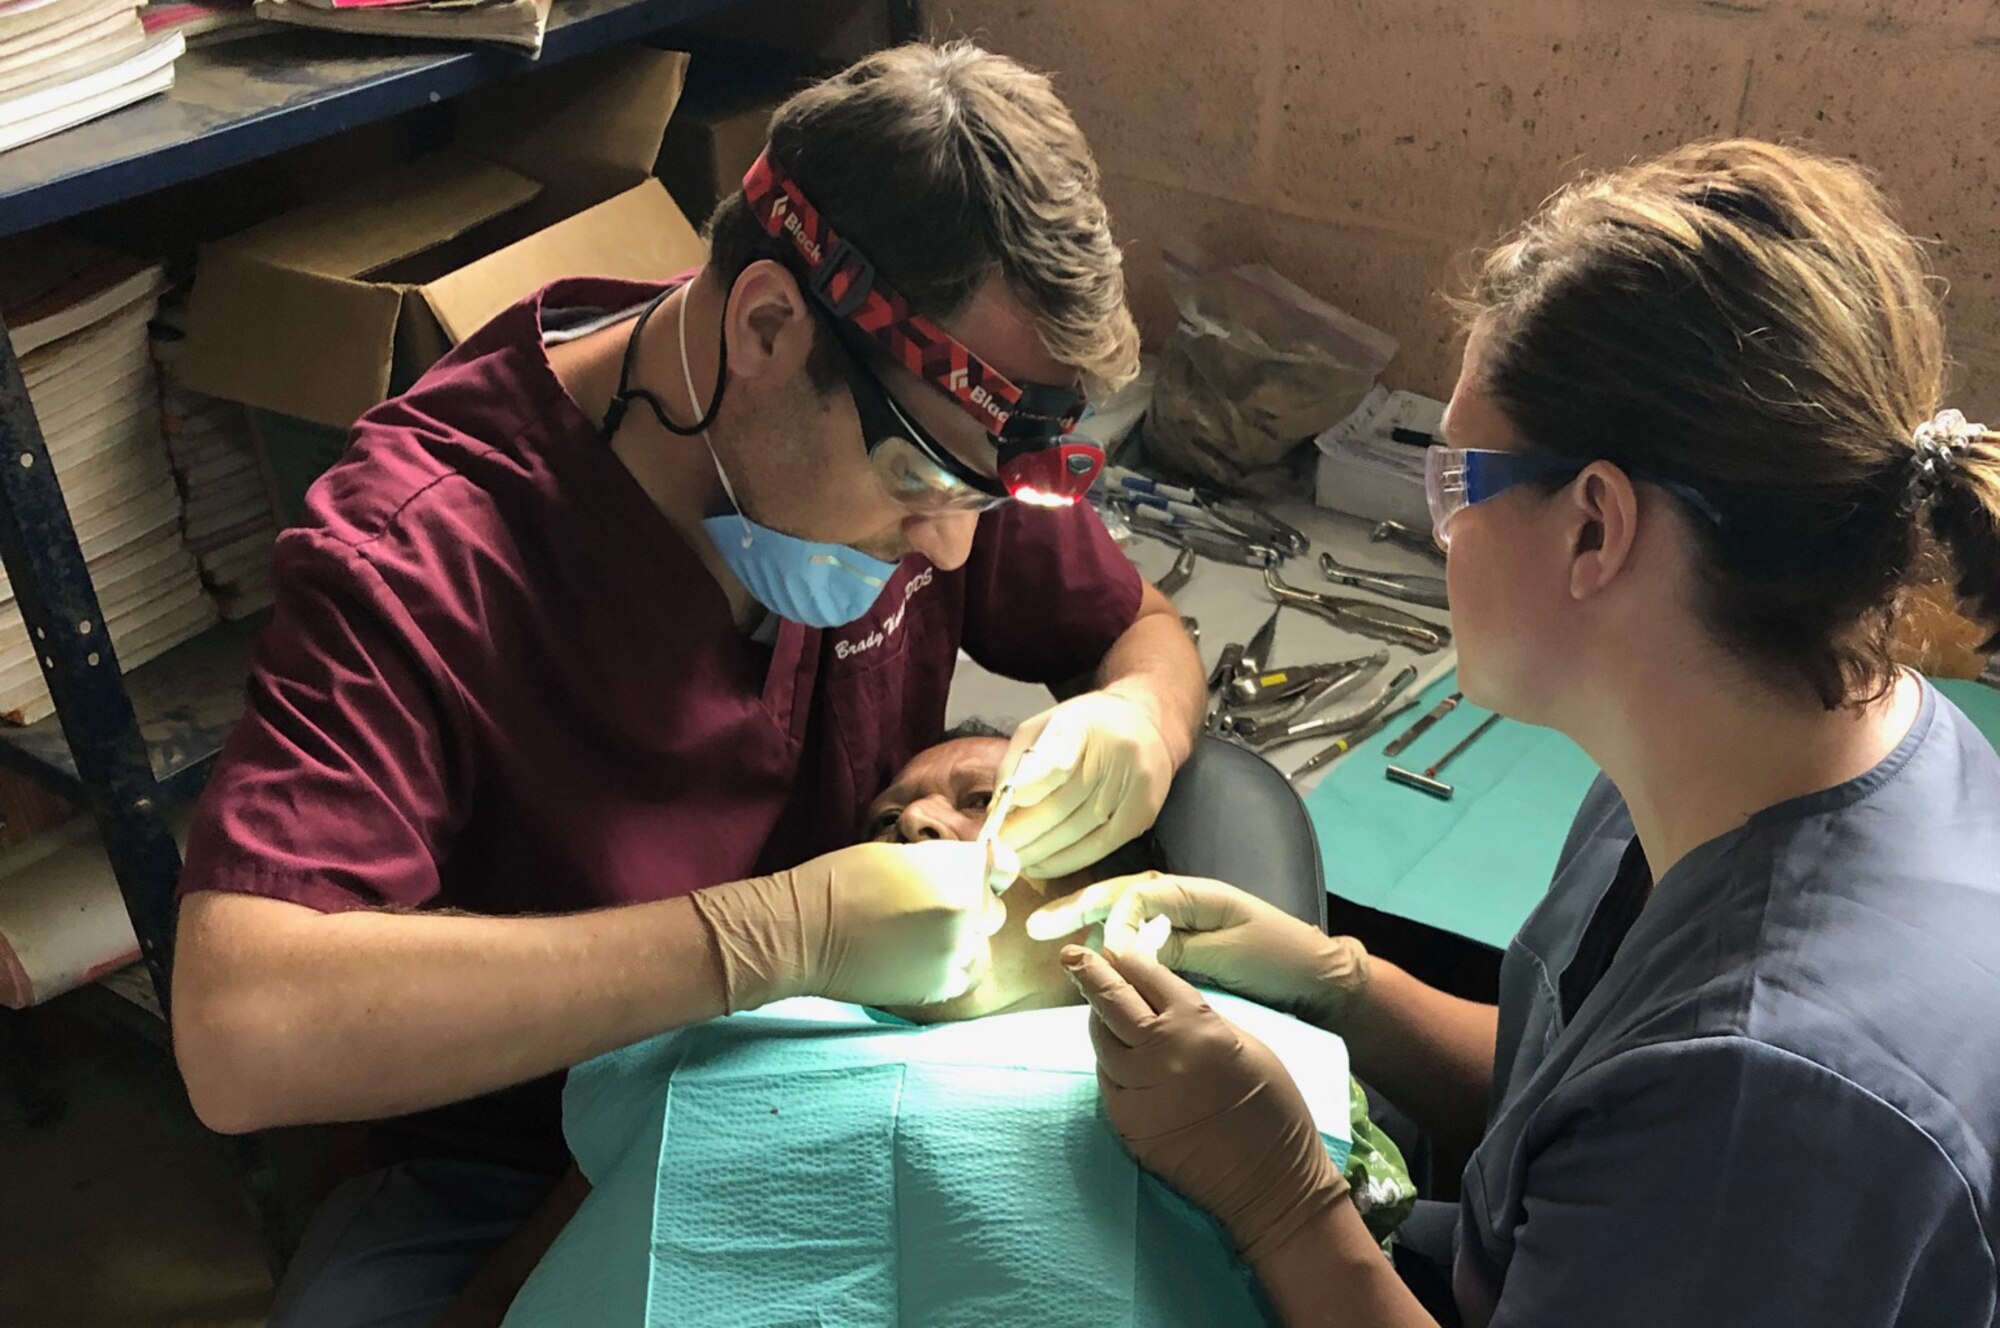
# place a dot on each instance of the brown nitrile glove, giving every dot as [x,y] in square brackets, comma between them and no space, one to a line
[875,924]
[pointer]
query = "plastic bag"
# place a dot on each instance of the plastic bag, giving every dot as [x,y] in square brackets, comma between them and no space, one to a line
[1255,367]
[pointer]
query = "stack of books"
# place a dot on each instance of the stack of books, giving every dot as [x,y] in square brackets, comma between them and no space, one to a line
[63,62]
[78,316]
[510,22]
[226,513]
[201,22]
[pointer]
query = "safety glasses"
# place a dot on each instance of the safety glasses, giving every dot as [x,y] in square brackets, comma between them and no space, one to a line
[1031,426]
[1457,477]
[913,467]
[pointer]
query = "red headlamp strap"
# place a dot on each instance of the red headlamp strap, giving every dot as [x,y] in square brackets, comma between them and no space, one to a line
[847,283]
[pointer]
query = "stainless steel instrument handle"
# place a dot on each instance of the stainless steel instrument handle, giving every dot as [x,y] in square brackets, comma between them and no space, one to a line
[1420,542]
[1428,591]
[1181,572]
[1335,725]
[1357,615]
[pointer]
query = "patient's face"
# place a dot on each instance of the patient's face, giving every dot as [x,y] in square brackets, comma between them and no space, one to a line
[942,794]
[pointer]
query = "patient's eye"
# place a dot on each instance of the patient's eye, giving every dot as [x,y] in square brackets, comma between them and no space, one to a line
[884,820]
[977,800]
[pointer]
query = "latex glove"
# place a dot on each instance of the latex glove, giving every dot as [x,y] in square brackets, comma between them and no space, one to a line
[875,924]
[1235,940]
[1202,1104]
[1086,777]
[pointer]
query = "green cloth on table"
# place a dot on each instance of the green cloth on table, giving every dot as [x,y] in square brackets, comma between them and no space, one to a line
[1477,864]
[1473,865]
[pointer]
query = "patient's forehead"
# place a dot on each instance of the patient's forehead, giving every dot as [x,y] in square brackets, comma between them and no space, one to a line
[945,768]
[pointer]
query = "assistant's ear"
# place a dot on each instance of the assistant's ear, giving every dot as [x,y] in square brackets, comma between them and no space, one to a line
[1606,511]
[768,324]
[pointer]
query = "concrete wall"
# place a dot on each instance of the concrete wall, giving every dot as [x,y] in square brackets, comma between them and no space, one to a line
[1363,146]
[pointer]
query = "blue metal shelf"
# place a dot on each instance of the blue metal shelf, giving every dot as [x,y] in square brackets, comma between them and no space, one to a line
[247,99]
[185,701]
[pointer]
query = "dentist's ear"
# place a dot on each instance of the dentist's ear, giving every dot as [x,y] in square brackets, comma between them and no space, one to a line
[1605,526]
[768,324]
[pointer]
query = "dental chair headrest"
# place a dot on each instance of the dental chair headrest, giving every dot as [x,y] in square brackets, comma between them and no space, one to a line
[1233,817]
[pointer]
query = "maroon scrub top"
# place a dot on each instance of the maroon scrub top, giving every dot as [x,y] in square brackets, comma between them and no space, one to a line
[498,680]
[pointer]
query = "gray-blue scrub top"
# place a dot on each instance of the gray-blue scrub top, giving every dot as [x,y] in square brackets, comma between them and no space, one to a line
[1780,1103]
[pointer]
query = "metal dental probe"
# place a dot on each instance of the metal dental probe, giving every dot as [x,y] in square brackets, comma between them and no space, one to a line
[1361,616]
[1428,782]
[1422,726]
[1411,589]
[1341,746]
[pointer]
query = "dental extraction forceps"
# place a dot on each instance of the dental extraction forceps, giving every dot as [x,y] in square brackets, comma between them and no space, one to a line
[1379,621]
[1335,725]
[1408,587]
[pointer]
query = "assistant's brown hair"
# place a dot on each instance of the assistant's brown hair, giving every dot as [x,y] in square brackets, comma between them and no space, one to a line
[1748,319]
[943,165]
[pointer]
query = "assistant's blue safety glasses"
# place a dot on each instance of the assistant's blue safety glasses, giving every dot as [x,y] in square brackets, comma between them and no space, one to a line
[1457,477]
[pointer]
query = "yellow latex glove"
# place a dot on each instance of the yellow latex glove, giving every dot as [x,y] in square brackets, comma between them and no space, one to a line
[1079,780]
[1235,940]
[1202,1104]
[875,924]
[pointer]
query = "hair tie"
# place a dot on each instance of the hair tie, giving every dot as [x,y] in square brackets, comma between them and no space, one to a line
[1936,446]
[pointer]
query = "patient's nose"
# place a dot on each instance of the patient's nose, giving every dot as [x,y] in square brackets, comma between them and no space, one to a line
[935,817]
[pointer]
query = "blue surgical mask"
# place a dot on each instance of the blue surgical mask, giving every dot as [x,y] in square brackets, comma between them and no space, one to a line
[808,581]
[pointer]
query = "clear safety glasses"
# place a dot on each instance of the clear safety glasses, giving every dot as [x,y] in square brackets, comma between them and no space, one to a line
[913,468]
[1457,477]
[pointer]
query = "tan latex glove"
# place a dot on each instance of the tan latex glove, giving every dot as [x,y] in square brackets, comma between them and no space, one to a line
[1202,1104]
[1086,777]
[875,924]
[1235,940]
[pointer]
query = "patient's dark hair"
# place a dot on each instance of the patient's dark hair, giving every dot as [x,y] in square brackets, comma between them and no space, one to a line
[1141,855]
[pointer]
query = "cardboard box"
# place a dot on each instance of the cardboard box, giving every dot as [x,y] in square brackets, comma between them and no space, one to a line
[322,312]
[707,152]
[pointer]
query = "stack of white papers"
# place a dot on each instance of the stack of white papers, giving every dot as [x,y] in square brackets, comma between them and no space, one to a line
[63,62]
[96,396]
